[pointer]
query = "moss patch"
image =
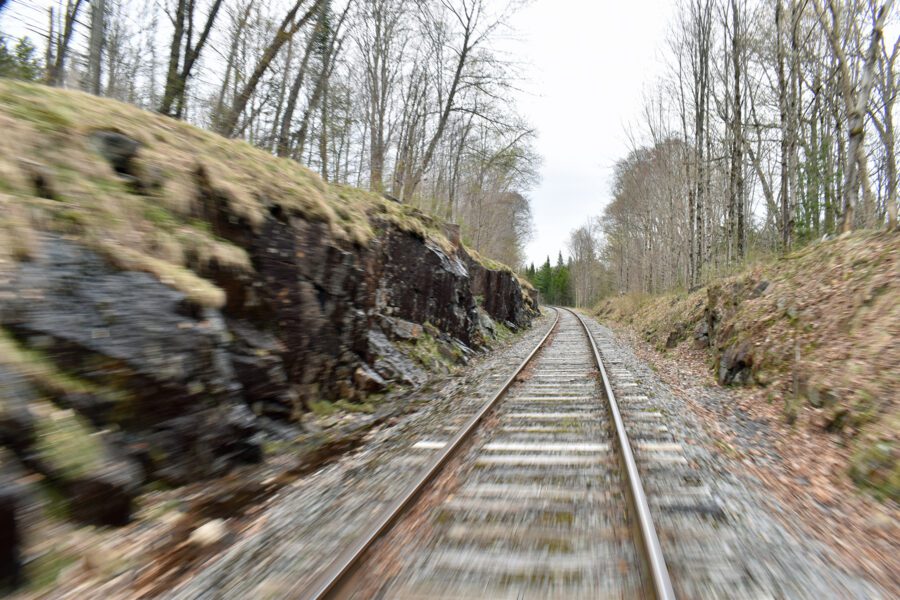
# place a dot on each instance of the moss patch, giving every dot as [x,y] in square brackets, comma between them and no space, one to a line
[153,225]
[65,441]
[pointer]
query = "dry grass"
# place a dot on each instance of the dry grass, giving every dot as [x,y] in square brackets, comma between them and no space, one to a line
[52,178]
[835,304]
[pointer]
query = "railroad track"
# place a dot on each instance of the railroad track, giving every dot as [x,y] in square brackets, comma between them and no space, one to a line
[540,496]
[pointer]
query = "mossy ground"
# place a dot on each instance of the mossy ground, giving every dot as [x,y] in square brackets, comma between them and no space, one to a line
[834,305]
[53,178]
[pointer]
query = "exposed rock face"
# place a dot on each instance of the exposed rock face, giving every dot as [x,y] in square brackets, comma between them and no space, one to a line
[420,282]
[160,366]
[736,365]
[502,296]
[334,307]
[118,149]
[185,392]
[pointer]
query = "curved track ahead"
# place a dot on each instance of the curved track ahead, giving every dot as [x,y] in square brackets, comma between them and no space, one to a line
[545,499]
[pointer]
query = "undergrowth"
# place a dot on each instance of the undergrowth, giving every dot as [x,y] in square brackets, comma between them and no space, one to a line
[820,329]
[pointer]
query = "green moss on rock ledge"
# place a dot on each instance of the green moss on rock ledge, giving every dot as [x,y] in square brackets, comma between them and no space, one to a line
[54,178]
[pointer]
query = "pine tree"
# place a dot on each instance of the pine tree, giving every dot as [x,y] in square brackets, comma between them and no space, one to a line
[19,62]
[561,284]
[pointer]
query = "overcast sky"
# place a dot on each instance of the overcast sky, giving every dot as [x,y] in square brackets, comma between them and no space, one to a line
[587,64]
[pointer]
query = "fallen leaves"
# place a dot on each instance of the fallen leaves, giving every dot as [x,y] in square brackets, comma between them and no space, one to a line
[804,469]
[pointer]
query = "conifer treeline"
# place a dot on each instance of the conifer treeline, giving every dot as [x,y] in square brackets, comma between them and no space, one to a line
[553,282]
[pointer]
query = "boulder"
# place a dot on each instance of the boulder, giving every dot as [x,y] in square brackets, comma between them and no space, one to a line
[368,380]
[736,364]
[118,149]
[391,364]
[486,324]
[400,329]
[209,534]
[105,498]
[759,288]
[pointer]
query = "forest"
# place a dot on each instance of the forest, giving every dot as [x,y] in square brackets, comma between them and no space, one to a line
[406,98]
[772,127]
[552,281]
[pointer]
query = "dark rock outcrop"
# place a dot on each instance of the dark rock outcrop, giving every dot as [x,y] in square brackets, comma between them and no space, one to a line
[184,392]
[119,150]
[10,535]
[421,282]
[17,431]
[736,365]
[502,297]
[160,365]
[336,306]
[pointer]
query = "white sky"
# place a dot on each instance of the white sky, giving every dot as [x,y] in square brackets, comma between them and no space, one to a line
[587,64]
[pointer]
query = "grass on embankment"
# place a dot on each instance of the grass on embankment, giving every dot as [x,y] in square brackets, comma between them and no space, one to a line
[823,337]
[52,178]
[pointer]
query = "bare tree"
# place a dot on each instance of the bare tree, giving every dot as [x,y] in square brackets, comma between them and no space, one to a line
[283,147]
[585,268]
[380,42]
[882,112]
[468,15]
[98,20]
[56,72]
[330,43]
[182,61]
[855,95]
[289,26]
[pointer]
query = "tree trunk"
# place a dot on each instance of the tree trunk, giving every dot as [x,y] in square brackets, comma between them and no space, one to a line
[56,75]
[286,30]
[737,115]
[449,104]
[180,70]
[856,100]
[98,18]
[324,134]
[784,116]
[174,58]
[284,133]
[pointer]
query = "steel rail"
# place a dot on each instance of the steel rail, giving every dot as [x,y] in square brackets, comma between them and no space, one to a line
[344,564]
[662,584]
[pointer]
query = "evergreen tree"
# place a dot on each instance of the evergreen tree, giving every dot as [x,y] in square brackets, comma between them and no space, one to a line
[20,61]
[542,280]
[561,285]
[553,282]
